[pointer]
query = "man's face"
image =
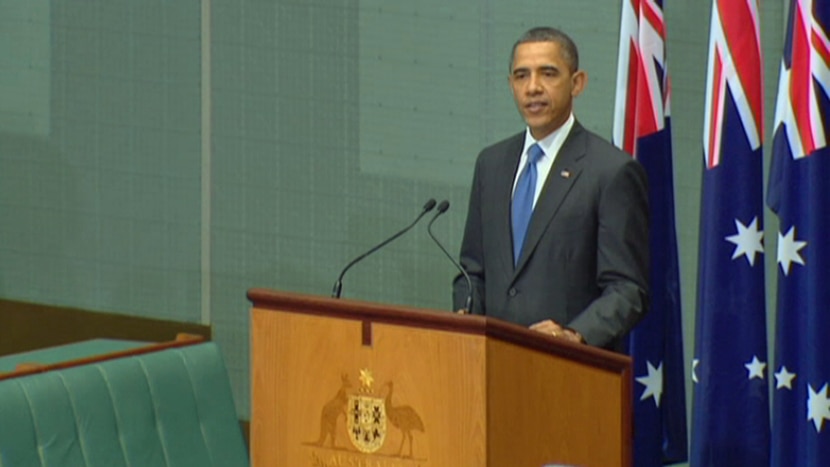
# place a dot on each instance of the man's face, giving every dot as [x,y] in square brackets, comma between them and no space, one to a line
[544,86]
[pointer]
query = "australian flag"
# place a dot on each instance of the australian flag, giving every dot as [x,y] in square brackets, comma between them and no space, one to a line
[730,416]
[799,193]
[642,128]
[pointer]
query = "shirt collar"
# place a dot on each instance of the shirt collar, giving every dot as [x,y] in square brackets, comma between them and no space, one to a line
[551,143]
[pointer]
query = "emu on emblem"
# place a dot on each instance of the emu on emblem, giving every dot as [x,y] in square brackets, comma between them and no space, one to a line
[366,422]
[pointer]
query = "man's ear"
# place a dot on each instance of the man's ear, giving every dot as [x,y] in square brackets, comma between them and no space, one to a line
[578,80]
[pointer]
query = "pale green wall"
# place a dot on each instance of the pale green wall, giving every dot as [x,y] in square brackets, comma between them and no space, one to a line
[330,123]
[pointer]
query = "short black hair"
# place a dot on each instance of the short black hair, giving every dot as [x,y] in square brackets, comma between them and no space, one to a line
[548,34]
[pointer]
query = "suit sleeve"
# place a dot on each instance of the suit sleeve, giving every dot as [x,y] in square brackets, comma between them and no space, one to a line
[472,254]
[622,258]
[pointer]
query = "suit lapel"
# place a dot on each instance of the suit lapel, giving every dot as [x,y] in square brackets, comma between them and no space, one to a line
[563,175]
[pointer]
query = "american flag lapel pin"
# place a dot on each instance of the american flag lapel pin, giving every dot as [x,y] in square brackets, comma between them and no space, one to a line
[565,173]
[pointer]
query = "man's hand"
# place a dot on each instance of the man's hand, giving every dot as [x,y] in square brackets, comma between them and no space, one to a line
[552,328]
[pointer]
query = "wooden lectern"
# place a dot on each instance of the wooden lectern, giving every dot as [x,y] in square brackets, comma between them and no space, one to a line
[350,383]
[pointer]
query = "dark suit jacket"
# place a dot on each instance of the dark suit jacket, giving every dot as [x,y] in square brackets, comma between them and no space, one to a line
[585,260]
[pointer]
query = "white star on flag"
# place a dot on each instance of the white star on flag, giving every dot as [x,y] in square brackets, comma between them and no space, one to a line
[788,248]
[653,383]
[748,240]
[755,368]
[784,379]
[695,363]
[818,407]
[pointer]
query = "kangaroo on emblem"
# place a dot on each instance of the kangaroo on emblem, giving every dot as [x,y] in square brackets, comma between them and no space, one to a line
[332,411]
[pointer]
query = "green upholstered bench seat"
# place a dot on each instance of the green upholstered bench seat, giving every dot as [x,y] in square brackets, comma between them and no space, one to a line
[171,407]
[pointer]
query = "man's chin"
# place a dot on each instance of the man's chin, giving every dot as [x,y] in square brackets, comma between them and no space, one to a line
[540,130]
[537,121]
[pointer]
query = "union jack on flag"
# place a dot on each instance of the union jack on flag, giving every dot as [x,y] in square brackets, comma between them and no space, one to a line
[799,193]
[642,128]
[730,416]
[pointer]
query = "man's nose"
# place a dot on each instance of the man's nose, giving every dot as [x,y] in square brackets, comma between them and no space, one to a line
[534,84]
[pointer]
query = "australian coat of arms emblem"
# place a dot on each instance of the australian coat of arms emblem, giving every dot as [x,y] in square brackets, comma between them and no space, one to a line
[368,414]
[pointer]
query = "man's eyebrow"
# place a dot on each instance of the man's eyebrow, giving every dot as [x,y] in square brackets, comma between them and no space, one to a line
[526,69]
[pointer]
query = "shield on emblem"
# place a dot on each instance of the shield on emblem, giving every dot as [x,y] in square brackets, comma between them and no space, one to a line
[366,422]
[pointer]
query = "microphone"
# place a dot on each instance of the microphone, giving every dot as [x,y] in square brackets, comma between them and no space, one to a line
[335,293]
[442,208]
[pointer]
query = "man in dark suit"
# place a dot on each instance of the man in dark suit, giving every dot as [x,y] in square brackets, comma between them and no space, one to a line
[577,269]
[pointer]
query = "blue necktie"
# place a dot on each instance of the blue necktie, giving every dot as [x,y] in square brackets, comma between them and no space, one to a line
[523,200]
